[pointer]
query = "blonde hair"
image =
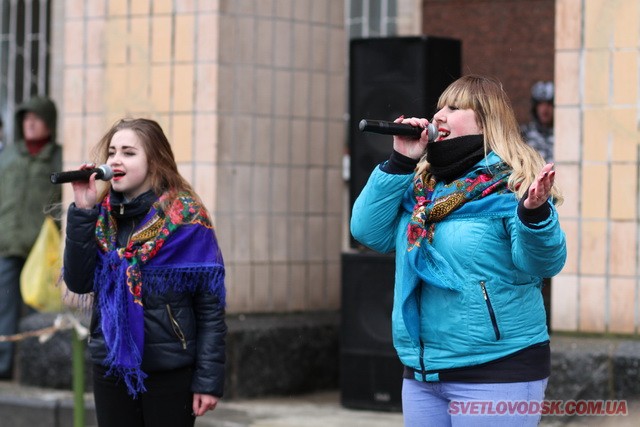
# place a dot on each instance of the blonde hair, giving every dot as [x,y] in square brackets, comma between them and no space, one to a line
[495,117]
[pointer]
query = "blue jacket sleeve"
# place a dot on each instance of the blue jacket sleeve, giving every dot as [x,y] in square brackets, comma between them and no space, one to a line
[377,210]
[539,250]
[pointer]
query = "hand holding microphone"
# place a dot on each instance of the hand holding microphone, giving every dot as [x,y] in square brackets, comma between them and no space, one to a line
[408,134]
[84,188]
[103,172]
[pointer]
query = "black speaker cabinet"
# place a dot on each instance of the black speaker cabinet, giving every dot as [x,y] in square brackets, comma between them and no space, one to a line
[370,371]
[389,77]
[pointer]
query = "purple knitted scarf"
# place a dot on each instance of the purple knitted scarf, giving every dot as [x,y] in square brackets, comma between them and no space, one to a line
[172,249]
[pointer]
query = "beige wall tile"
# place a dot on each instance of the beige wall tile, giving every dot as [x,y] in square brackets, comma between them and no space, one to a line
[140,7]
[622,305]
[299,287]
[298,192]
[279,243]
[95,41]
[241,252]
[117,7]
[568,135]
[206,141]
[571,228]
[96,127]
[260,239]
[301,46]
[244,140]
[283,43]
[568,179]
[185,38]
[625,82]
[284,8]
[94,100]
[73,138]
[259,192]
[623,252]
[239,287]
[160,95]
[205,184]
[283,89]
[568,24]
[593,247]
[139,46]
[599,20]
[626,15]
[136,98]
[264,42]
[263,140]
[116,41]
[227,79]
[206,91]
[301,92]
[333,238]
[337,96]
[318,95]
[564,307]
[207,34]
[161,39]
[317,143]
[162,6]
[299,147]
[625,134]
[182,137]
[280,287]
[624,192]
[281,140]
[302,10]
[317,190]
[244,90]
[567,78]
[261,295]
[594,191]
[95,8]
[596,77]
[73,91]
[185,6]
[315,233]
[596,137]
[183,97]
[592,310]
[246,39]
[74,42]
[317,299]
[263,98]
[334,196]
[74,8]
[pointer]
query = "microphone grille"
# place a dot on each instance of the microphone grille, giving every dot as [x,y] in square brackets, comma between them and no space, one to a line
[107,172]
[432,132]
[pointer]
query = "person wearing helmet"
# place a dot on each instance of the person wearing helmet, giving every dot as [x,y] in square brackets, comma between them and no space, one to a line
[539,131]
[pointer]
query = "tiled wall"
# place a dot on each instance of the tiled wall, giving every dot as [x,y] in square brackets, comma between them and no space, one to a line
[252,95]
[597,157]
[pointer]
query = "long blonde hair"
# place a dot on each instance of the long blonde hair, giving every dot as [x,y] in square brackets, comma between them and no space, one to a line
[495,117]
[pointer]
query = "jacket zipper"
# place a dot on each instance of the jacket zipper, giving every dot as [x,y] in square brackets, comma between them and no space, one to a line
[176,328]
[492,314]
[422,367]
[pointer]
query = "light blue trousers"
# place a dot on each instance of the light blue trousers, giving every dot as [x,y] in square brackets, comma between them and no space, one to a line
[455,404]
[10,307]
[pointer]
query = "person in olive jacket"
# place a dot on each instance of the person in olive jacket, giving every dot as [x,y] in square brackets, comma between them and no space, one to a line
[147,251]
[26,194]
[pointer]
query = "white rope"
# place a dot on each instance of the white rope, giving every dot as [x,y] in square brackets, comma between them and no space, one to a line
[62,322]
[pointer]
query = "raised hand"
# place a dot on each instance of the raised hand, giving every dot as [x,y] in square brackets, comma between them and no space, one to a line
[540,188]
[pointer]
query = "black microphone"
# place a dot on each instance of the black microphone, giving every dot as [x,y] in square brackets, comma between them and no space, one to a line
[103,172]
[391,128]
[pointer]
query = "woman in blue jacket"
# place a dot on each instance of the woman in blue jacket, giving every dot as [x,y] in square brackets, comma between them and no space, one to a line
[472,221]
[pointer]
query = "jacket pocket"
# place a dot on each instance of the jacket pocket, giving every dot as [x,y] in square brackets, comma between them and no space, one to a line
[492,313]
[176,328]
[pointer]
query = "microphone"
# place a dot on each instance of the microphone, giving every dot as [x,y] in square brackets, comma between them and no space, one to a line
[103,172]
[391,128]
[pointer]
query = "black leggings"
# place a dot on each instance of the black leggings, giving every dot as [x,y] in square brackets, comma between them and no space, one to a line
[167,401]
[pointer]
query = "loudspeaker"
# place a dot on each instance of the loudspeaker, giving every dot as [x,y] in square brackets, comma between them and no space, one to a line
[389,77]
[370,371]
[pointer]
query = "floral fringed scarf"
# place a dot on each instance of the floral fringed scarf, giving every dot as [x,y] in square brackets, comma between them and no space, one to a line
[174,249]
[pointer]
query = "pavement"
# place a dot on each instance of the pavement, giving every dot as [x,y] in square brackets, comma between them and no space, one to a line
[22,406]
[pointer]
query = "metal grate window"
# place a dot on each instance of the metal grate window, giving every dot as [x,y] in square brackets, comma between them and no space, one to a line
[371,18]
[24,54]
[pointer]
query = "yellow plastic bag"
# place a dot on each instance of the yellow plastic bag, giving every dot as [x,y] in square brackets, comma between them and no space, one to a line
[41,271]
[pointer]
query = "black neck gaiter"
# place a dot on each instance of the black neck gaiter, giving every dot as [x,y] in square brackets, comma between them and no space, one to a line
[450,158]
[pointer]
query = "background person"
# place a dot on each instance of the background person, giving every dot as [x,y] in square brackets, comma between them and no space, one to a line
[25,194]
[147,250]
[538,133]
[474,229]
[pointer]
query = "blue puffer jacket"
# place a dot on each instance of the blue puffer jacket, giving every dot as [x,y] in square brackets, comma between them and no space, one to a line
[477,296]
